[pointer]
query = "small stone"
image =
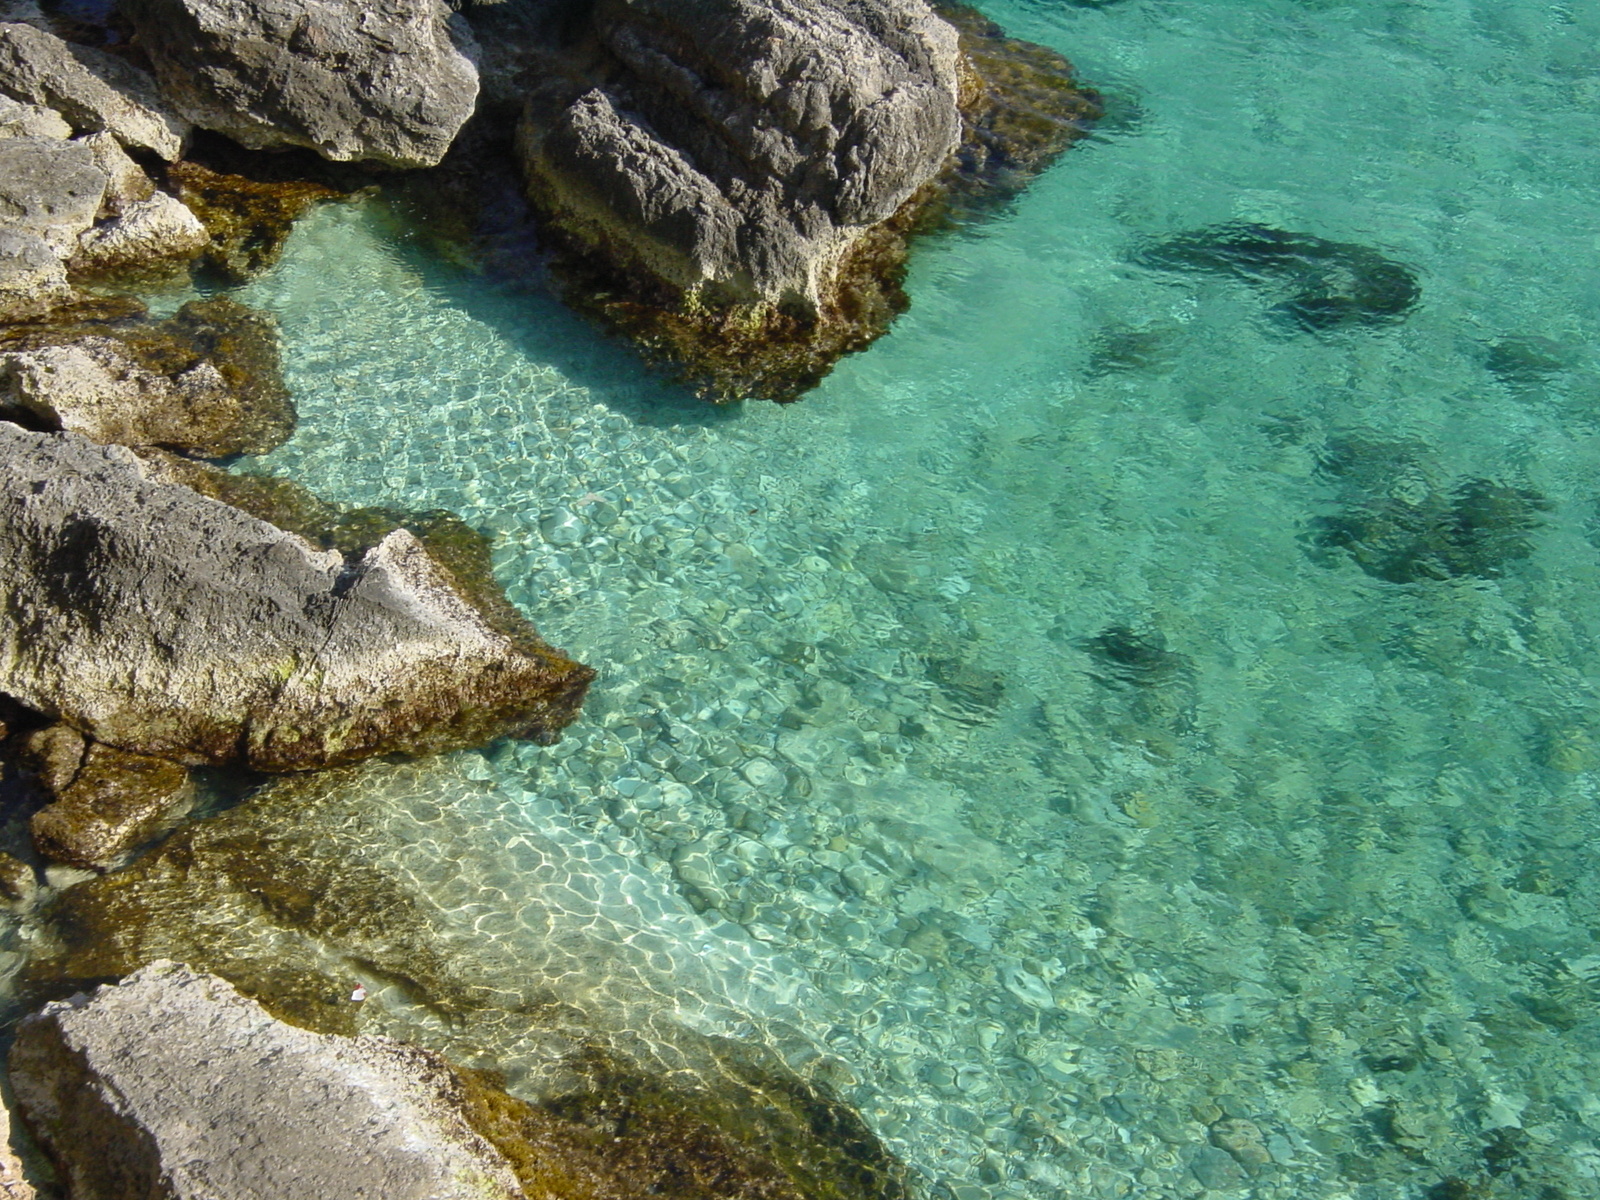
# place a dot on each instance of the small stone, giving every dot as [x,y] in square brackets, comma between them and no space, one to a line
[564,528]
[760,773]
[1215,1169]
[1242,1139]
[17,882]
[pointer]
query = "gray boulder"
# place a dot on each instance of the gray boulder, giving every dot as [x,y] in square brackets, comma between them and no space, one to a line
[93,90]
[158,621]
[33,278]
[172,1086]
[389,80]
[51,189]
[31,120]
[742,148]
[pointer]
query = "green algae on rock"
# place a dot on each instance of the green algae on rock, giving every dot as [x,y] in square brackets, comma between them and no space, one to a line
[248,215]
[753,268]
[1330,284]
[293,894]
[163,623]
[102,803]
[206,381]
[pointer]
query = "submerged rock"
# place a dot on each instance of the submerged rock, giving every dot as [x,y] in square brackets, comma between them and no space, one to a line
[247,209]
[160,622]
[93,90]
[616,1098]
[1329,284]
[171,1084]
[207,381]
[391,81]
[103,803]
[1399,523]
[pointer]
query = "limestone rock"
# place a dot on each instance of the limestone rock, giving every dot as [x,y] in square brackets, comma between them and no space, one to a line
[31,120]
[33,279]
[93,90]
[164,623]
[13,1184]
[207,381]
[126,182]
[748,144]
[158,229]
[51,189]
[172,1085]
[104,803]
[390,81]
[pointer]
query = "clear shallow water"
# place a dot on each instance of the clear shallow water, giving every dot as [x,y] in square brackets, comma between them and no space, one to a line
[1319,888]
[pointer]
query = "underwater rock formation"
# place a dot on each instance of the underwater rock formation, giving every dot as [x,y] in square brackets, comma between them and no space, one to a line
[103,803]
[390,81]
[733,183]
[1328,284]
[207,381]
[293,893]
[155,620]
[247,209]
[1400,524]
[94,91]
[170,1084]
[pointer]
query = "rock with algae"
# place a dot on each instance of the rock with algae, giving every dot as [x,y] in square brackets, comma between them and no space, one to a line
[1327,284]
[294,893]
[102,803]
[161,622]
[171,1085]
[734,184]
[206,381]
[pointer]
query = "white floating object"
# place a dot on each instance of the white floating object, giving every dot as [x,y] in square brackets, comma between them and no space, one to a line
[359,994]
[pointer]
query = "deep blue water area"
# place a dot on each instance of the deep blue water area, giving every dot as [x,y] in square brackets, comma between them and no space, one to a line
[1133,731]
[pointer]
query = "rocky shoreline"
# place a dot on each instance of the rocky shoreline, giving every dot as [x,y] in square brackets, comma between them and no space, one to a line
[734,185]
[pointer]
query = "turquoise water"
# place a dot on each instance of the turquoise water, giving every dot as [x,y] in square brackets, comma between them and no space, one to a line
[1001,732]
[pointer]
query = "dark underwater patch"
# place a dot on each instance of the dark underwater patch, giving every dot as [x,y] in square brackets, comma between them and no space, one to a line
[1325,284]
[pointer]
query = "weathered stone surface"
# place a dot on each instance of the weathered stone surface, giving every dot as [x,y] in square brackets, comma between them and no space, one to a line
[160,228]
[390,81]
[103,803]
[93,90]
[207,381]
[31,120]
[33,279]
[126,182]
[170,1085]
[51,189]
[749,143]
[13,1185]
[164,623]
[734,183]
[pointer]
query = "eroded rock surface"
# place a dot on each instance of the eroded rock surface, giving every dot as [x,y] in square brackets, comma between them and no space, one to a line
[91,89]
[390,81]
[103,803]
[160,622]
[737,153]
[171,1085]
[207,381]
